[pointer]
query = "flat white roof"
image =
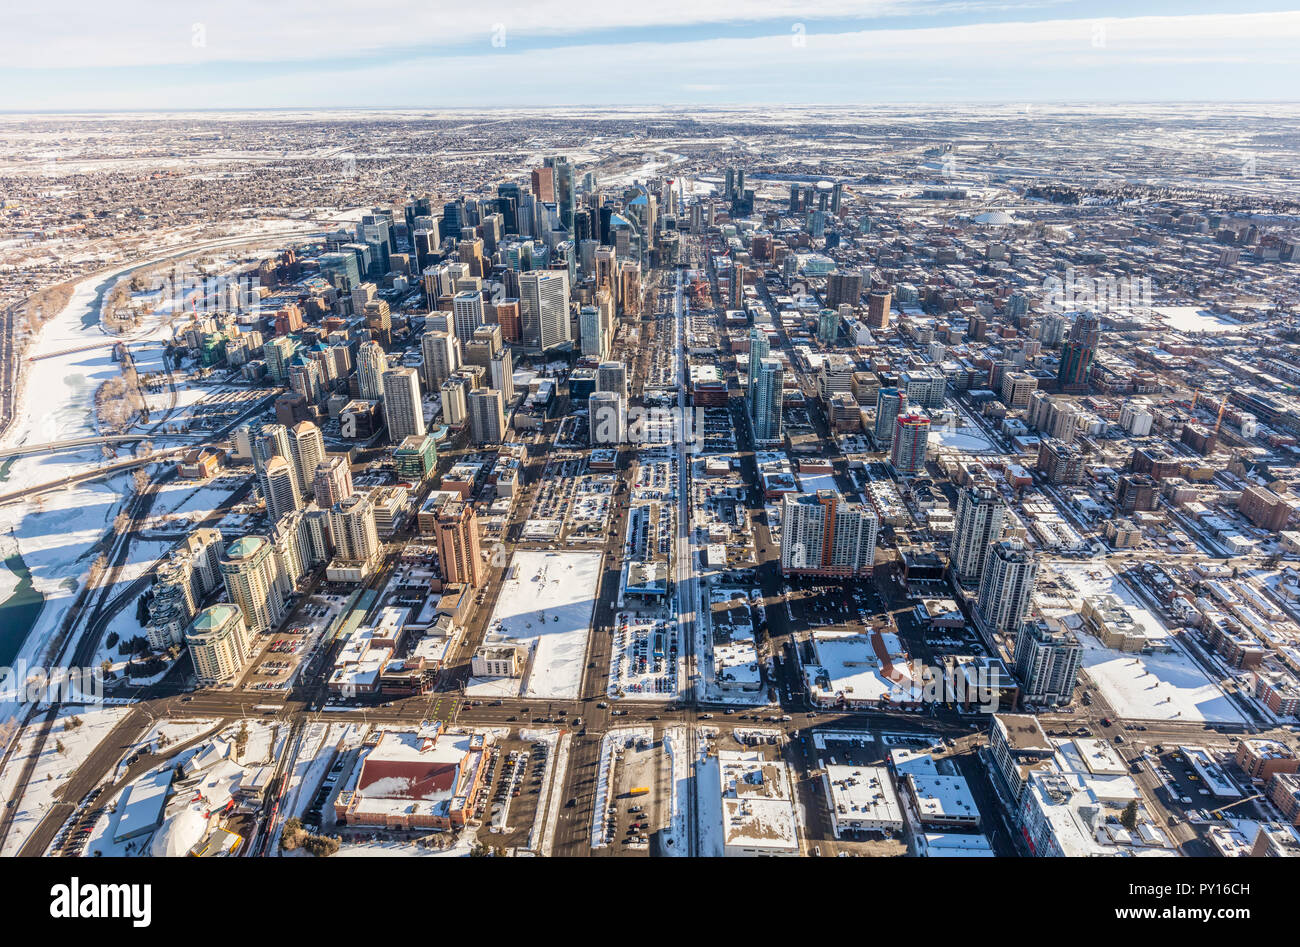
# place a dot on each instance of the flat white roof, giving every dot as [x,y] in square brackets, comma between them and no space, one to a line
[942,797]
[866,794]
[953,845]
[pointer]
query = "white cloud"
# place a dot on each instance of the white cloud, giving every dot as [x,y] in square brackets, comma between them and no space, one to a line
[92,33]
[1007,61]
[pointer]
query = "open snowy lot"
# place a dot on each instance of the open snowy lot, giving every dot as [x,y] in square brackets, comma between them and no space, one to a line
[546,604]
[73,737]
[1167,685]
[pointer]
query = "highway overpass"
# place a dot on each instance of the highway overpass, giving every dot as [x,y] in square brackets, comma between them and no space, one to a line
[75,443]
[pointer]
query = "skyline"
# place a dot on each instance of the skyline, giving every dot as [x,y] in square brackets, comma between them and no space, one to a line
[829,52]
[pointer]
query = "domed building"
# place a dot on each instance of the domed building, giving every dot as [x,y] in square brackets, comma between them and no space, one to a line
[182,830]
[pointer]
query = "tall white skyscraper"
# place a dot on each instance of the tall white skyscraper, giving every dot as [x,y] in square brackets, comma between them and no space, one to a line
[544,308]
[766,400]
[371,365]
[455,400]
[467,314]
[254,583]
[219,643]
[1047,662]
[352,526]
[1006,586]
[980,514]
[825,535]
[607,418]
[280,482]
[308,445]
[442,356]
[403,410]
[285,492]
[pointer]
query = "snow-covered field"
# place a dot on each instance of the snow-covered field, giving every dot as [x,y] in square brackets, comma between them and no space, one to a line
[57,759]
[545,603]
[1197,319]
[675,838]
[1156,686]
[964,438]
[1161,686]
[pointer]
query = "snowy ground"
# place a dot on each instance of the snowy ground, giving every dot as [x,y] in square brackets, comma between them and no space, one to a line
[1156,686]
[182,503]
[965,437]
[388,848]
[1161,686]
[545,603]
[1197,319]
[53,767]
[676,840]
[708,806]
[265,741]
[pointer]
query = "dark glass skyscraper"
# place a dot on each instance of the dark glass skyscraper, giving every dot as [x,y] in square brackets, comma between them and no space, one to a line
[1078,352]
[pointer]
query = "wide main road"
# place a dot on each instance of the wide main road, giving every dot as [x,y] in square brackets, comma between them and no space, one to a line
[687,596]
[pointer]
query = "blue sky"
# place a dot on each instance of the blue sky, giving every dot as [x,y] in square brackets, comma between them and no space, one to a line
[237,54]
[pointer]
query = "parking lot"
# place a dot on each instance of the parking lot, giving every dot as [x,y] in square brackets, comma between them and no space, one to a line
[72,838]
[218,408]
[282,653]
[508,805]
[632,816]
[645,657]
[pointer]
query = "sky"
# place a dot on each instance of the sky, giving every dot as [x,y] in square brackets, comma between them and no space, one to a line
[75,55]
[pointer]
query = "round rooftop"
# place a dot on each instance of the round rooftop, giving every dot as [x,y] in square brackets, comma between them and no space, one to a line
[245,546]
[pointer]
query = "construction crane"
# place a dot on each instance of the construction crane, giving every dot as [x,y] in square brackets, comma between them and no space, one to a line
[1218,422]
